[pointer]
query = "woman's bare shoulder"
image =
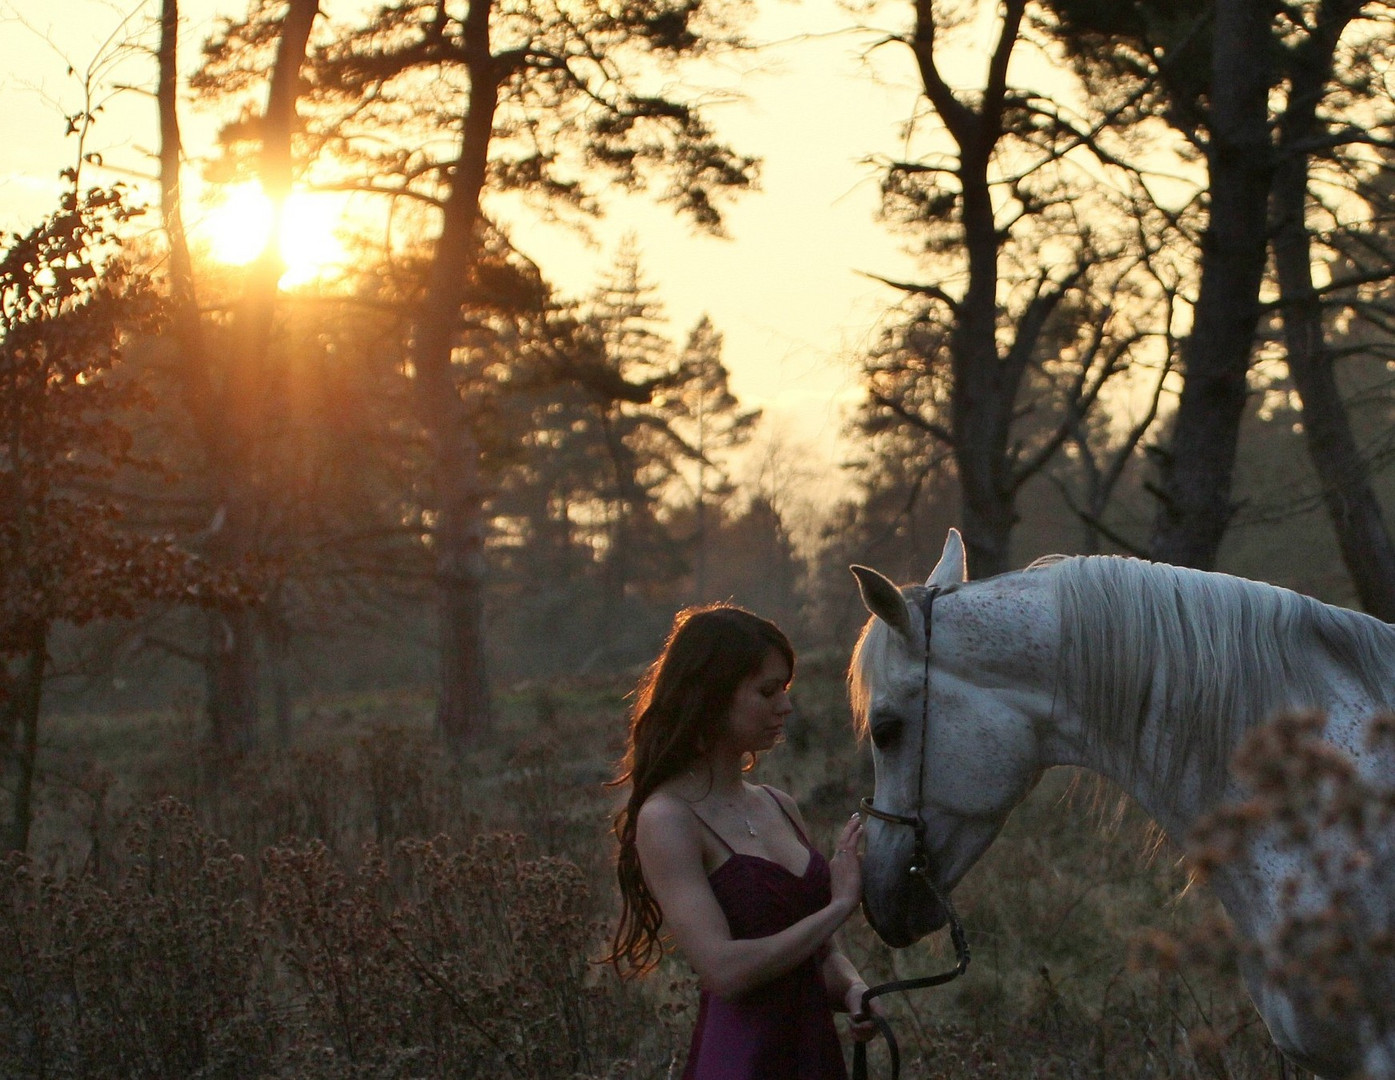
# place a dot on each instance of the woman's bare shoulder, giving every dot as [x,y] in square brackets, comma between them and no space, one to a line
[668,833]
[665,811]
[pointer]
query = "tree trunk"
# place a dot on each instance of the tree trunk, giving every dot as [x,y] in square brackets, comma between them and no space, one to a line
[235,678]
[276,631]
[464,707]
[9,713]
[28,699]
[982,402]
[1360,527]
[230,705]
[184,306]
[985,384]
[231,681]
[1197,470]
[463,711]
[230,424]
[980,411]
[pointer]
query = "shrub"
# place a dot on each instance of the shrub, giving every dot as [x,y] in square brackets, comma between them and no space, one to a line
[159,976]
[456,960]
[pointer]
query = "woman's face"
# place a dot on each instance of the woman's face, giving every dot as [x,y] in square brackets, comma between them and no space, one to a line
[756,721]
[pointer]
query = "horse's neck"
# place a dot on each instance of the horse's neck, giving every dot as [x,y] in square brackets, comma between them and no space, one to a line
[1174,799]
[1128,705]
[1174,807]
[1011,628]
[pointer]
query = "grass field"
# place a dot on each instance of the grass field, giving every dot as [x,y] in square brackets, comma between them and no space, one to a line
[356,906]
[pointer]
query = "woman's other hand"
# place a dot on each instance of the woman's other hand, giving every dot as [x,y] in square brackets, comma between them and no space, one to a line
[862,1027]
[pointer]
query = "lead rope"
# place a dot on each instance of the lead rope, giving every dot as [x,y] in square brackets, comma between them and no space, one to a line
[919,868]
[897,986]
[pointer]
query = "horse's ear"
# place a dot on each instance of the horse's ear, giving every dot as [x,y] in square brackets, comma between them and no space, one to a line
[950,570]
[884,600]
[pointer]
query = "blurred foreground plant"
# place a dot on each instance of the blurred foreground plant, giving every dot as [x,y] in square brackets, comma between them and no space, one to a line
[1329,817]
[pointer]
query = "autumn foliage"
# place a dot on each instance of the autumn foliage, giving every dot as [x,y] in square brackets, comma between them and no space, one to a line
[69,305]
[433,959]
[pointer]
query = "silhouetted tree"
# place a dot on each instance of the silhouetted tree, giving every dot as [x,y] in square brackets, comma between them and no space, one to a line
[1244,84]
[637,434]
[711,422]
[1313,130]
[1033,280]
[229,396]
[549,102]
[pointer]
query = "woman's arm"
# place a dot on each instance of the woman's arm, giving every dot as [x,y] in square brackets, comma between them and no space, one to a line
[670,851]
[840,978]
[845,989]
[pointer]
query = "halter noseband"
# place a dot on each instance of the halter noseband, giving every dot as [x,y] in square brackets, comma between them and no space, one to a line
[919,868]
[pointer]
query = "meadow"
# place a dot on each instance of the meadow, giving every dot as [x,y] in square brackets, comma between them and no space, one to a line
[356,905]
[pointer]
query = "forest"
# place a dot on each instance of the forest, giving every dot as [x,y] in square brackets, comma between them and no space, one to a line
[320,595]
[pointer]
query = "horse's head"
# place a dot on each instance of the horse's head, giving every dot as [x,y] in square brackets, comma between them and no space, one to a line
[959,758]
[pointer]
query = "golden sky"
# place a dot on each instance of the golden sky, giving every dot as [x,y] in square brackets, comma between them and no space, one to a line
[787,289]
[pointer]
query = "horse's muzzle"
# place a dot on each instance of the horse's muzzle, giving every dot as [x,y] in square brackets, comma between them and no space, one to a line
[906,912]
[900,935]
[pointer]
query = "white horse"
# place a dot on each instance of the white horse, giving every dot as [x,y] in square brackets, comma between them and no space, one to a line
[1146,673]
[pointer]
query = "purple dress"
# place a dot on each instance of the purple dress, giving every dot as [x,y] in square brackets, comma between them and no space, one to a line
[783,1029]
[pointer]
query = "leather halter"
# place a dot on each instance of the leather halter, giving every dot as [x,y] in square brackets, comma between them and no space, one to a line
[919,868]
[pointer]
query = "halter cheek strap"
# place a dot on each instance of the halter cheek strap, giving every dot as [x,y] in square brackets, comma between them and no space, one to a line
[919,869]
[920,857]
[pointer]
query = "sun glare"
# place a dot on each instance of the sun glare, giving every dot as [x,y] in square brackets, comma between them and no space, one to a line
[236,225]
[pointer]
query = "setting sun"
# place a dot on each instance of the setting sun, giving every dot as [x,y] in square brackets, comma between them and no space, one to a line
[235,228]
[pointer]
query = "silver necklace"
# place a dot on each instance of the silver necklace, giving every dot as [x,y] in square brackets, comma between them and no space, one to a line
[750,829]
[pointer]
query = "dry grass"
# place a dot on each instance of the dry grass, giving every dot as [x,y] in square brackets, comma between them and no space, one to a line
[356,906]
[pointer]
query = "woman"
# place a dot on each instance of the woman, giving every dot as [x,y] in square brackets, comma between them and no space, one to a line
[724,866]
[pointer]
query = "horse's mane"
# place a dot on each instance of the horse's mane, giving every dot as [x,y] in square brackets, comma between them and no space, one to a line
[869,652]
[1217,653]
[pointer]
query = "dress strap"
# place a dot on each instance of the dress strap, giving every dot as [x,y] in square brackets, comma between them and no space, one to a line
[788,817]
[703,821]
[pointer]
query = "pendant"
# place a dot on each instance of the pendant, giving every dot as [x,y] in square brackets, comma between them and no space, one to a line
[749,827]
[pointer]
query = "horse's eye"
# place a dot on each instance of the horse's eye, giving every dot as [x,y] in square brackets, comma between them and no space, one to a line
[886,732]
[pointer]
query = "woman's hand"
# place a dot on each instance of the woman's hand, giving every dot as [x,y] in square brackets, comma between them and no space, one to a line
[845,868]
[862,1026]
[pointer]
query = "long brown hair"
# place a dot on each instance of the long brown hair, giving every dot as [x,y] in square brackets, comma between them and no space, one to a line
[679,706]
